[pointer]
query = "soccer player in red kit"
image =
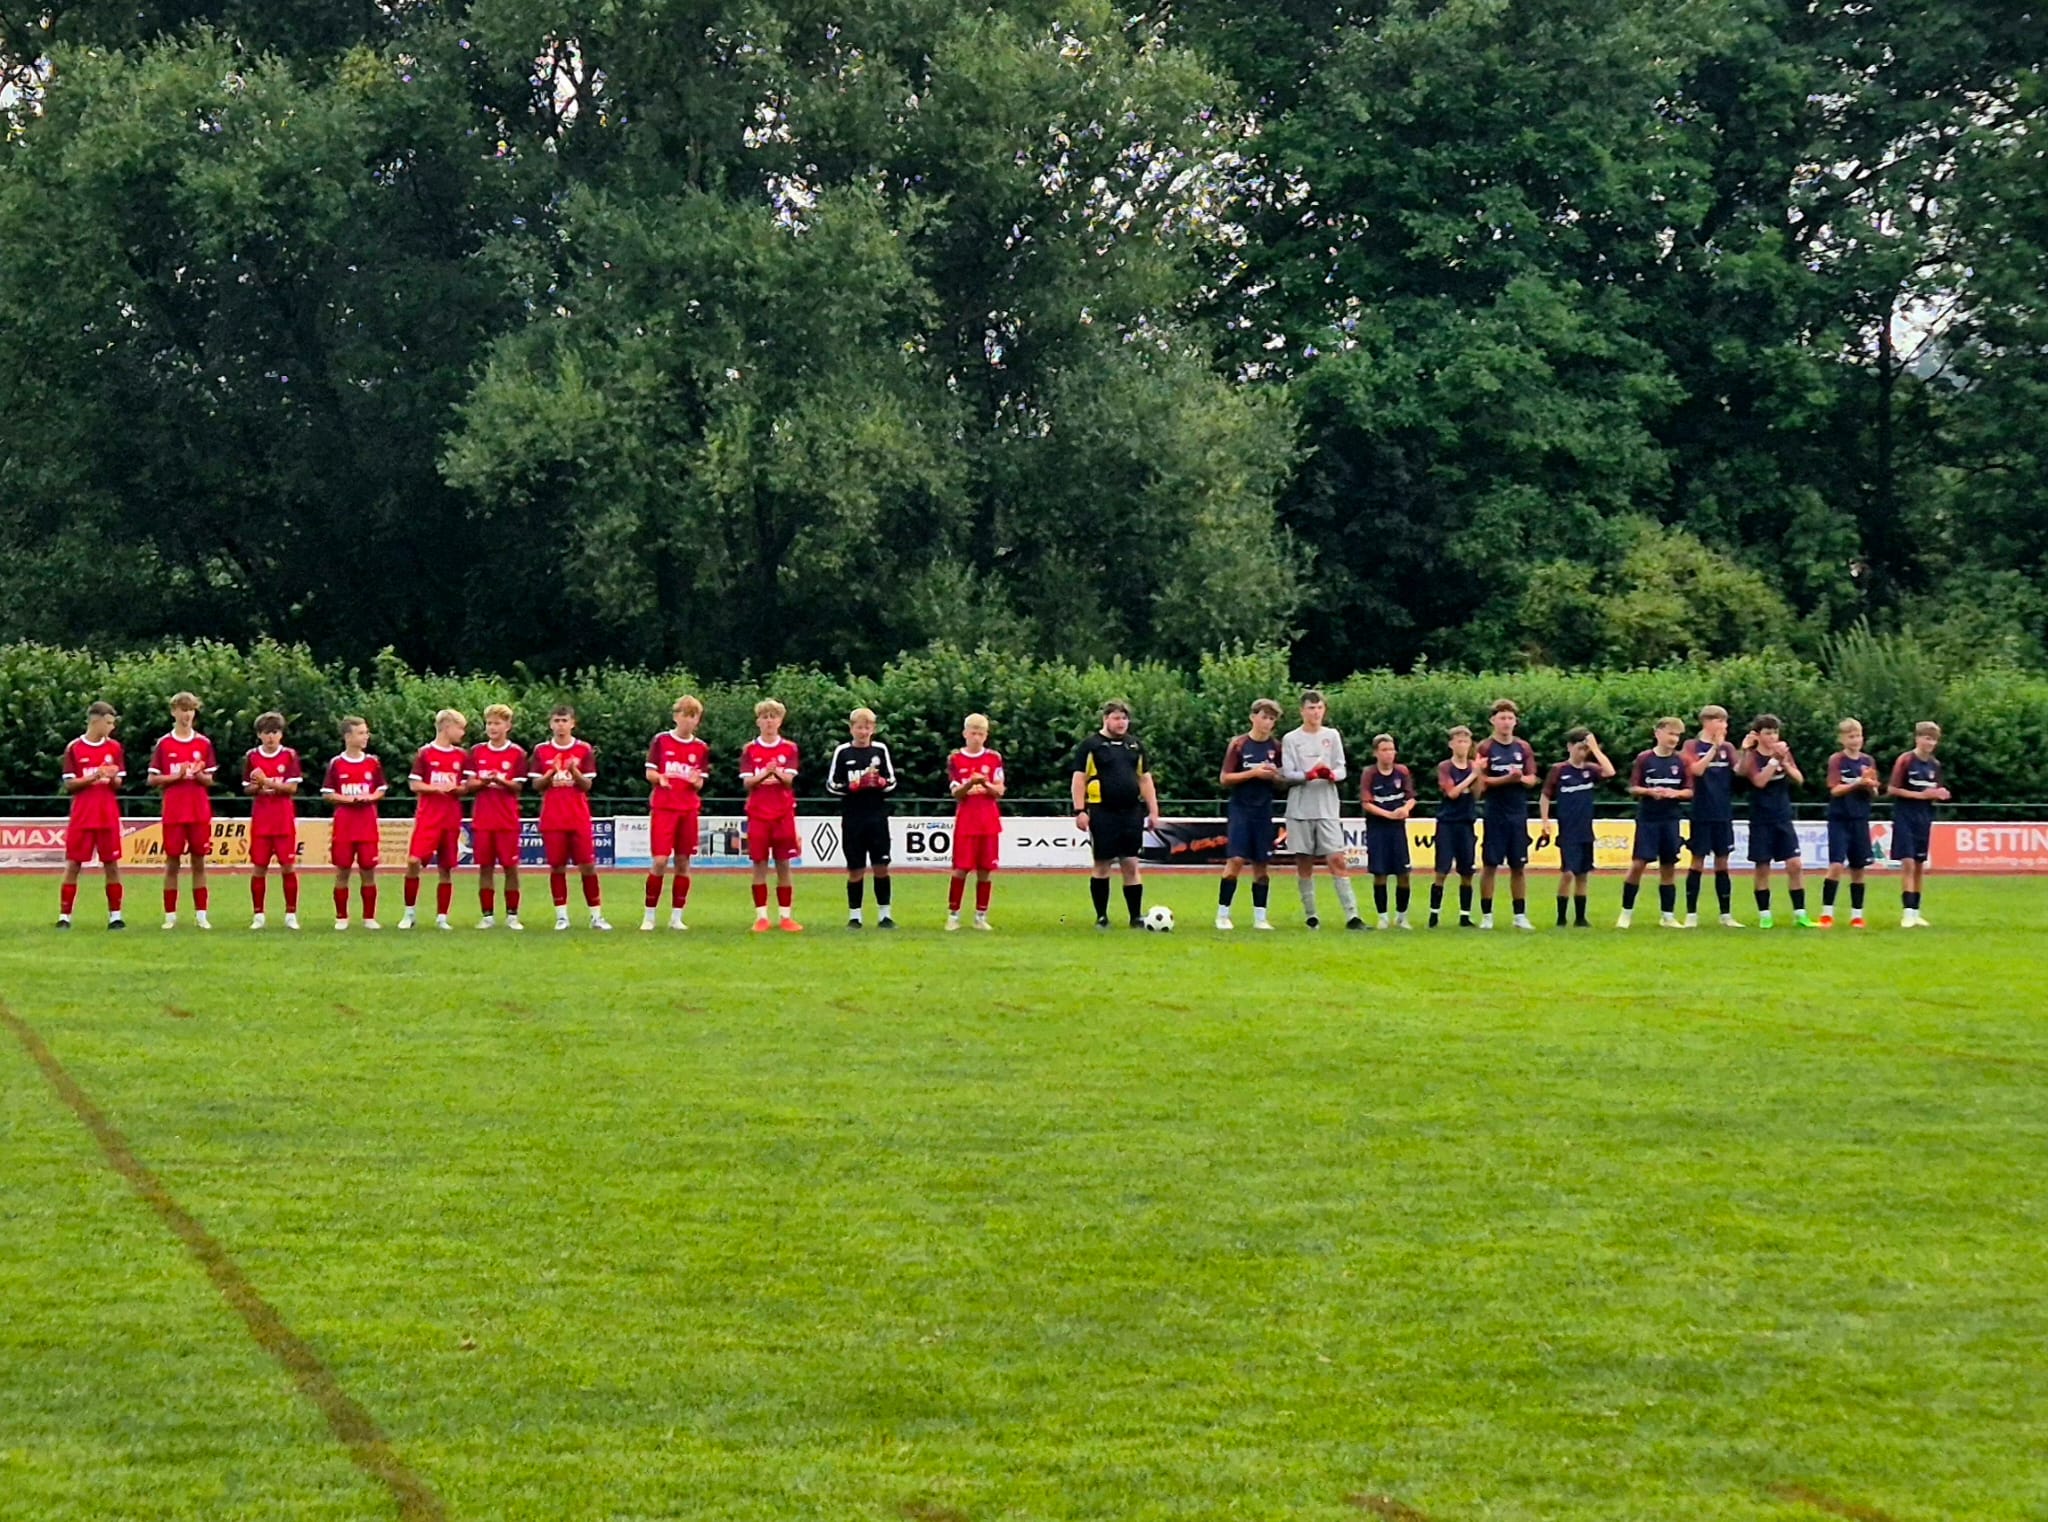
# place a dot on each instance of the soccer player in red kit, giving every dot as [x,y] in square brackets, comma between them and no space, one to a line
[562,768]
[974,774]
[497,773]
[677,764]
[271,776]
[440,776]
[93,768]
[182,766]
[354,784]
[767,771]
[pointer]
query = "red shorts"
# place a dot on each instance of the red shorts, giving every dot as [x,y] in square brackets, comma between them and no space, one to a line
[359,851]
[83,842]
[674,835]
[772,839]
[976,853]
[436,847]
[264,849]
[193,838]
[572,845]
[495,848]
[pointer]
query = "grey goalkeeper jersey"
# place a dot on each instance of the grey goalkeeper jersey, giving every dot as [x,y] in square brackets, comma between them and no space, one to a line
[1300,751]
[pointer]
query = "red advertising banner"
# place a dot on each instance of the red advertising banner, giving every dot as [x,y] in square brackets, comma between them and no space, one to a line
[1989,847]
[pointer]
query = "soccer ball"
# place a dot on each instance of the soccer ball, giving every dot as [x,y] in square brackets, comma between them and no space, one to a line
[1159,918]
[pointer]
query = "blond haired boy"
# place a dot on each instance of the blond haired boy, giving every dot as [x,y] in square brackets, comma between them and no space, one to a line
[768,769]
[497,773]
[862,775]
[974,774]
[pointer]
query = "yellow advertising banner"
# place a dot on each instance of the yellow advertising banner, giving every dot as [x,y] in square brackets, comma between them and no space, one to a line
[142,842]
[1613,842]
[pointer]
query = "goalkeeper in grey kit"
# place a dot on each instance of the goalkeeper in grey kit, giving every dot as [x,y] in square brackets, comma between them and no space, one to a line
[1312,761]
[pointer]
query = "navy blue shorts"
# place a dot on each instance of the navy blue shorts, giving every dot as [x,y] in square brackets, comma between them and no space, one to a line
[1386,848]
[1848,842]
[1772,840]
[1506,843]
[1251,835]
[1576,856]
[1712,837]
[1910,832]
[1657,840]
[1457,847]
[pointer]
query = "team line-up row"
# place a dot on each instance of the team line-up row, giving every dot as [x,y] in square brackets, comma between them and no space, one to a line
[1676,781]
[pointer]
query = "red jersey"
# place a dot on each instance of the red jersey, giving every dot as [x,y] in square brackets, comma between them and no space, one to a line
[190,799]
[97,805]
[771,800]
[497,768]
[565,807]
[273,813]
[352,786]
[443,766]
[683,766]
[976,813]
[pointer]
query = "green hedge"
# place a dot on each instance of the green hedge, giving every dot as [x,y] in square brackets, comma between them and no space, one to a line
[1996,720]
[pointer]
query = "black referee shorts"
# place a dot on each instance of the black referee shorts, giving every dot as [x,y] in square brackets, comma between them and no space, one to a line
[1116,833]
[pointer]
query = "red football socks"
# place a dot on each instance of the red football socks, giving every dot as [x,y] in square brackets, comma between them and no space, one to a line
[67,895]
[593,890]
[369,903]
[259,889]
[170,900]
[955,892]
[341,903]
[412,892]
[760,895]
[488,898]
[679,891]
[291,893]
[444,898]
[784,894]
[653,889]
[558,885]
[114,898]
[199,898]
[983,887]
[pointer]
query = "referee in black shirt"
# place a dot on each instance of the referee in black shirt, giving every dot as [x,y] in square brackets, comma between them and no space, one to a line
[1113,802]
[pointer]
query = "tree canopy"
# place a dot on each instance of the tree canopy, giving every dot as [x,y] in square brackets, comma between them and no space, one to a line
[741,332]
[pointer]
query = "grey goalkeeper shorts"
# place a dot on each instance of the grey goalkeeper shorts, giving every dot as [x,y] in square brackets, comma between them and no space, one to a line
[1315,837]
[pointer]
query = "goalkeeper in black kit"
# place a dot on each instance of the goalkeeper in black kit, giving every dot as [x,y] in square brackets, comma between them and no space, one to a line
[863,776]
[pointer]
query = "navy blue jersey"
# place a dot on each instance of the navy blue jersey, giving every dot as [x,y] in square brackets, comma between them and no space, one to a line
[1504,760]
[1653,770]
[1388,790]
[1916,773]
[1571,791]
[1254,797]
[1458,810]
[1849,807]
[1770,800]
[1713,790]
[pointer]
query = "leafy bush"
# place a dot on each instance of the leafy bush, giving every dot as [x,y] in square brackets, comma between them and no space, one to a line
[1996,717]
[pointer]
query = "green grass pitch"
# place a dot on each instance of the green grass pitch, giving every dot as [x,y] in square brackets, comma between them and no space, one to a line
[1034,1225]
